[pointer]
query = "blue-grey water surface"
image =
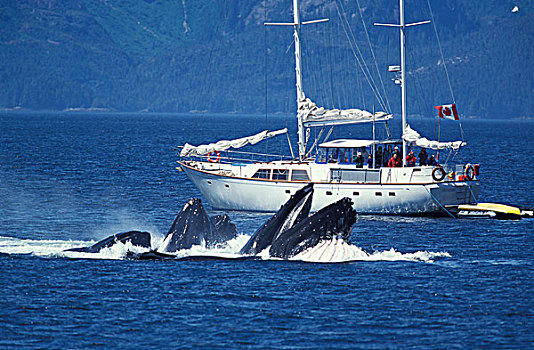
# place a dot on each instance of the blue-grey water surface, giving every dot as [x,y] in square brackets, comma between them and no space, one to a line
[81,177]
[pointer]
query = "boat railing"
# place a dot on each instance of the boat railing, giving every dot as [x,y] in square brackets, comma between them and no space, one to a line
[232,157]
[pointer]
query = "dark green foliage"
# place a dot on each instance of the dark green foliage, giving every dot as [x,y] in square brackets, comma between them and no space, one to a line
[178,56]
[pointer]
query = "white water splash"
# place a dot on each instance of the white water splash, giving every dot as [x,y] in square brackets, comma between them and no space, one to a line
[337,251]
[11,245]
[56,248]
[330,251]
[228,249]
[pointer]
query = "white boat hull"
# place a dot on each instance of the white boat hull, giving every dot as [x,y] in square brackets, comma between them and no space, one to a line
[235,193]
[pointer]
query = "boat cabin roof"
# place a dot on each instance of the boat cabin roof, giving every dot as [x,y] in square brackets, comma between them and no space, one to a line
[354,143]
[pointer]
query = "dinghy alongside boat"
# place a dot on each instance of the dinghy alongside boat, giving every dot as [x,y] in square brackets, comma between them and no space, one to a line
[493,211]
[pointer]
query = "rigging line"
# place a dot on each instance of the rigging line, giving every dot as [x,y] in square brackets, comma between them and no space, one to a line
[345,83]
[312,77]
[265,65]
[265,69]
[444,63]
[387,55]
[329,31]
[366,70]
[351,47]
[439,203]
[328,134]
[315,142]
[362,69]
[374,57]
[321,88]
[440,50]
[417,85]
[321,72]
[386,127]
[223,19]
[360,90]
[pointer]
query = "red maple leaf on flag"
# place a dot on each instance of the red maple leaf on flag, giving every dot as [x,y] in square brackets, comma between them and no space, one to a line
[448,111]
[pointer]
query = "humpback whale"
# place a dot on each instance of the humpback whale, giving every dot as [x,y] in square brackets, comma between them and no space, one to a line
[287,233]
[192,226]
[333,221]
[291,231]
[290,213]
[137,238]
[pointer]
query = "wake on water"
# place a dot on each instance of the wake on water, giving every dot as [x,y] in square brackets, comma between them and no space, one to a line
[329,251]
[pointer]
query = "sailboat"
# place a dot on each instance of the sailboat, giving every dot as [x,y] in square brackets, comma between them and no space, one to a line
[337,168]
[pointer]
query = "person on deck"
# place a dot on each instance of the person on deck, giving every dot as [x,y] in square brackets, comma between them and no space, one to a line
[399,154]
[379,157]
[423,157]
[410,159]
[359,160]
[387,155]
[370,161]
[432,161]
[395,161]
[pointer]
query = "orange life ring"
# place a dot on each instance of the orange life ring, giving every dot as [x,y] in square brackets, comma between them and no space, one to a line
[216,160]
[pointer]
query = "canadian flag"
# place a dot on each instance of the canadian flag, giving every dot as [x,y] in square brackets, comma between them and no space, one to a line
[448,111]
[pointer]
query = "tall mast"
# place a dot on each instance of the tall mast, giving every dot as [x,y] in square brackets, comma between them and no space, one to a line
[298,72]
[403,78]
[402,26]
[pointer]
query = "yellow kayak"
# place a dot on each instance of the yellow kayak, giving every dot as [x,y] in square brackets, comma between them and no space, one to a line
[489,210]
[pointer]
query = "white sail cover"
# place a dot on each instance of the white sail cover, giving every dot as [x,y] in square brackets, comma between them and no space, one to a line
[413,138]
[311,115]
[190,150]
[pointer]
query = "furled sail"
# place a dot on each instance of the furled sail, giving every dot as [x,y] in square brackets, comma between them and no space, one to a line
[190,150]
[311,115]
[413,138]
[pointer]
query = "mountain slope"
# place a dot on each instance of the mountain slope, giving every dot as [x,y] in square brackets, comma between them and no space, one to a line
[193,55]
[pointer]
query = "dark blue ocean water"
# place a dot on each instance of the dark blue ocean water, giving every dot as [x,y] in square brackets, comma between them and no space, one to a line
[68,178]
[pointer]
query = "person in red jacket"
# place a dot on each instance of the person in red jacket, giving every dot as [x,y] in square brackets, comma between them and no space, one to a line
[395,161]
[410,159]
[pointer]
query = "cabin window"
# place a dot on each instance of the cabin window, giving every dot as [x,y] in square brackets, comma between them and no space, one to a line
[378,194]
[280,174]
[344,155]
[321,156]
[328,193]
[392,194]
[262,174]
[355,193]
[299,175]
[332,155]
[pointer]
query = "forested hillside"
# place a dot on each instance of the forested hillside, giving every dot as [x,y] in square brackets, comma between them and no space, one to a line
[217,56]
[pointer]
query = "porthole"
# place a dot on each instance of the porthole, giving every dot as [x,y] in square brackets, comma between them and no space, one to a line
[392,194]
[226,185]
[355,193]
[378,194]
[328,193]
